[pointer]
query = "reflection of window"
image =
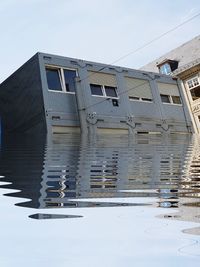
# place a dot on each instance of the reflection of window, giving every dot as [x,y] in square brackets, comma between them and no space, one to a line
[171,99]
[59,79]
[101,90]
[165,68]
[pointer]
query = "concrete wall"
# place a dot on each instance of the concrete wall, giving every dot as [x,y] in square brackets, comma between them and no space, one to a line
[21,100]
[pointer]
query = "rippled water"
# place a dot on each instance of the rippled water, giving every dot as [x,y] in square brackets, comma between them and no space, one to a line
[133,202]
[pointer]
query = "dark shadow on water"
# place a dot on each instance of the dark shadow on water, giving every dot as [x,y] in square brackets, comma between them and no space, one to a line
[44,216]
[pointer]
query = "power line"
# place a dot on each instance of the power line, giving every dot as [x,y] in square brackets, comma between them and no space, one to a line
[119,94]
[157,38]
[144,45]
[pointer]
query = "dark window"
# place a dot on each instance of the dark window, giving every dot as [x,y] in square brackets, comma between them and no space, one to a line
[96,89]
[110,91]
[165,98]
[146,99]
[70,76]
[195,93]
[53,79]
[115,103]
[176,99]
[134,98]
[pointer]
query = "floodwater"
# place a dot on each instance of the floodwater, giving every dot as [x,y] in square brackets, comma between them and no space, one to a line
[112,202]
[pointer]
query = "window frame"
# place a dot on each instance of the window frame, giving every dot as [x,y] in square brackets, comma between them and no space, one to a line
[140,99]
[62,78]
[191,80]
[193,86]
[171,102]
[104,91]
[164,68]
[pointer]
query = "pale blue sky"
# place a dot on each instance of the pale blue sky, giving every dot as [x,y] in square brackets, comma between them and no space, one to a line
[96,30]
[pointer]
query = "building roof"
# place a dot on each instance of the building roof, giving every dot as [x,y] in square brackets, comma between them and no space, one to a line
[185,54]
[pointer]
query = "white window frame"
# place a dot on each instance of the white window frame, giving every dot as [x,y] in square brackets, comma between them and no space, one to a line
[171,101]
[140,99]
[104,91]
[192,81]
[62,78]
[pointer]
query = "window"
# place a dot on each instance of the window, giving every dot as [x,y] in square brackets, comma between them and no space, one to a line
[165,69]
[103,90]
[70,76]
[176,99]
[138,89]
[110,91]
[170,99]
[96,89]
[169,93]
[54,79]
[195,93]
[193,82]
[165,98]
[59,79]
[194,87]
[167,66]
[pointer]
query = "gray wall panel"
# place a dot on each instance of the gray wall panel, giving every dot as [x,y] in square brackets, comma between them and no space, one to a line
[21,101]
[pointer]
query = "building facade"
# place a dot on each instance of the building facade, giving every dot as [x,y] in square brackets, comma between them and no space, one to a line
[56,94]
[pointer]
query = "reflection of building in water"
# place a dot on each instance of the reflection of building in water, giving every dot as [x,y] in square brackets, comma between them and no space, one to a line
[68,169]
[109,169]
[189,188]
[21,165]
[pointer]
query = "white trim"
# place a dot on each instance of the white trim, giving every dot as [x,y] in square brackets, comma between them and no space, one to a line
[62,92]
[107,97]
[172,104]
[141,100]
[192,81]
[61,77]
[104,91]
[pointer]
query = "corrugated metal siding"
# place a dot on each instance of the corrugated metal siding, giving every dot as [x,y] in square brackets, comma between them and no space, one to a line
[138,88]
[168,89]
[102,78]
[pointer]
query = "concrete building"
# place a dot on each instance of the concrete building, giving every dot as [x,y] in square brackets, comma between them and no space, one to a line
[183,63]
[60,95]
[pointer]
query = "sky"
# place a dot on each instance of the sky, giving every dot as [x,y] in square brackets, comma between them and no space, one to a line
[94,30]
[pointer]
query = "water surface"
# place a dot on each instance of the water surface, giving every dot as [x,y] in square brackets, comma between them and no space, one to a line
[100,202]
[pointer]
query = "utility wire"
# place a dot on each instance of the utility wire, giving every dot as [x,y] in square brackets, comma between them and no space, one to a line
[144,45]
[121,93]
[132,52]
